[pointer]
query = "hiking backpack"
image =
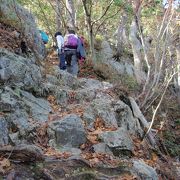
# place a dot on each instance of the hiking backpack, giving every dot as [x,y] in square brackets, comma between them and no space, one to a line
[71,41]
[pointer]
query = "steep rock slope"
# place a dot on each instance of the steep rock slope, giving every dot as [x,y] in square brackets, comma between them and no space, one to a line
[82,118]
[24,26]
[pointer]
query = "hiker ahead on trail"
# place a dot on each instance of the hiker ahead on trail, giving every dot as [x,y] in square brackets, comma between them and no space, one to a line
[44,36]
[70,50]
[60,44]
[73,51]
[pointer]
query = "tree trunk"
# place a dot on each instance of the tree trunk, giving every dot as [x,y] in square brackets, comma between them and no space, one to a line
[177,85]
[136,48]
[70,14]
[91,37]
[143,122]
[58,15]
[90,29]
[121,35]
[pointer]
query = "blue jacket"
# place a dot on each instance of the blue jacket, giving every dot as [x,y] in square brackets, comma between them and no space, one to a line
[44,36]
[80,49]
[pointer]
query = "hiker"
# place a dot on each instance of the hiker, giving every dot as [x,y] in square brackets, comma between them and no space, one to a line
[44,36]
[72,51]
[60,44]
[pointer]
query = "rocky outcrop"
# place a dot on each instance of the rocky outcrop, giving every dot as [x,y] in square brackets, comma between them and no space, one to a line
[38,108]
[102,148]
[19,71]
[102,108]
[126,119]
[67,132]
[143,171]
[22,153]
[119,142]
[16,16]
[22,115]
[24,109]
[106,60]
[77,168]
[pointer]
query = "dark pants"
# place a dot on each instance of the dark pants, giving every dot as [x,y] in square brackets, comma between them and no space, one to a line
[62,63]
[72,62]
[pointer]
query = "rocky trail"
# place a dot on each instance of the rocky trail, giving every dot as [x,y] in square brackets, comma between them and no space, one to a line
[61,127]
[55,126]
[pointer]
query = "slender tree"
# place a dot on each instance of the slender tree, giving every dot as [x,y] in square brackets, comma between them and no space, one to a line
[121,34]
[136,43]
[58,15]
[70,14]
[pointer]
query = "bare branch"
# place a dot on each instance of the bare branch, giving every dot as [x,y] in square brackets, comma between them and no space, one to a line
[45,19]
[106,20]
[154,114]
[105,11]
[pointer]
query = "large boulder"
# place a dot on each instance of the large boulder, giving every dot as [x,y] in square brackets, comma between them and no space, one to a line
[101,148]
[106,50]
[114,113]
[19,71]
[123,67]
[38,108]
[119,142]
[18,120]
[143,171]
[68,132]
[125,118]
[106,62]
[70,90]
[23,112]
[65,79]
[100,108]
[11,13]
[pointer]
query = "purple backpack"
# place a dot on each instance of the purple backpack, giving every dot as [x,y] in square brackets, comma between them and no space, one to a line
[70,41]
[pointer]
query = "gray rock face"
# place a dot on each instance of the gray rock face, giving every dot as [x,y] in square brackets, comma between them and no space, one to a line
[68,131]
[118,141]
[85,95]
[101,108]
[4,140]
[106,50]
[90,89]
[101,148]
[90,84]
[21,109]
[14,15]
[121,67]
[65,85]
[14,100]
[7,102]
[105,56]
[66,79]
[61,96]
[38,108]
[143,171]
[15,138]
[20,71]
[18,121]
[113,113]
[125,118]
